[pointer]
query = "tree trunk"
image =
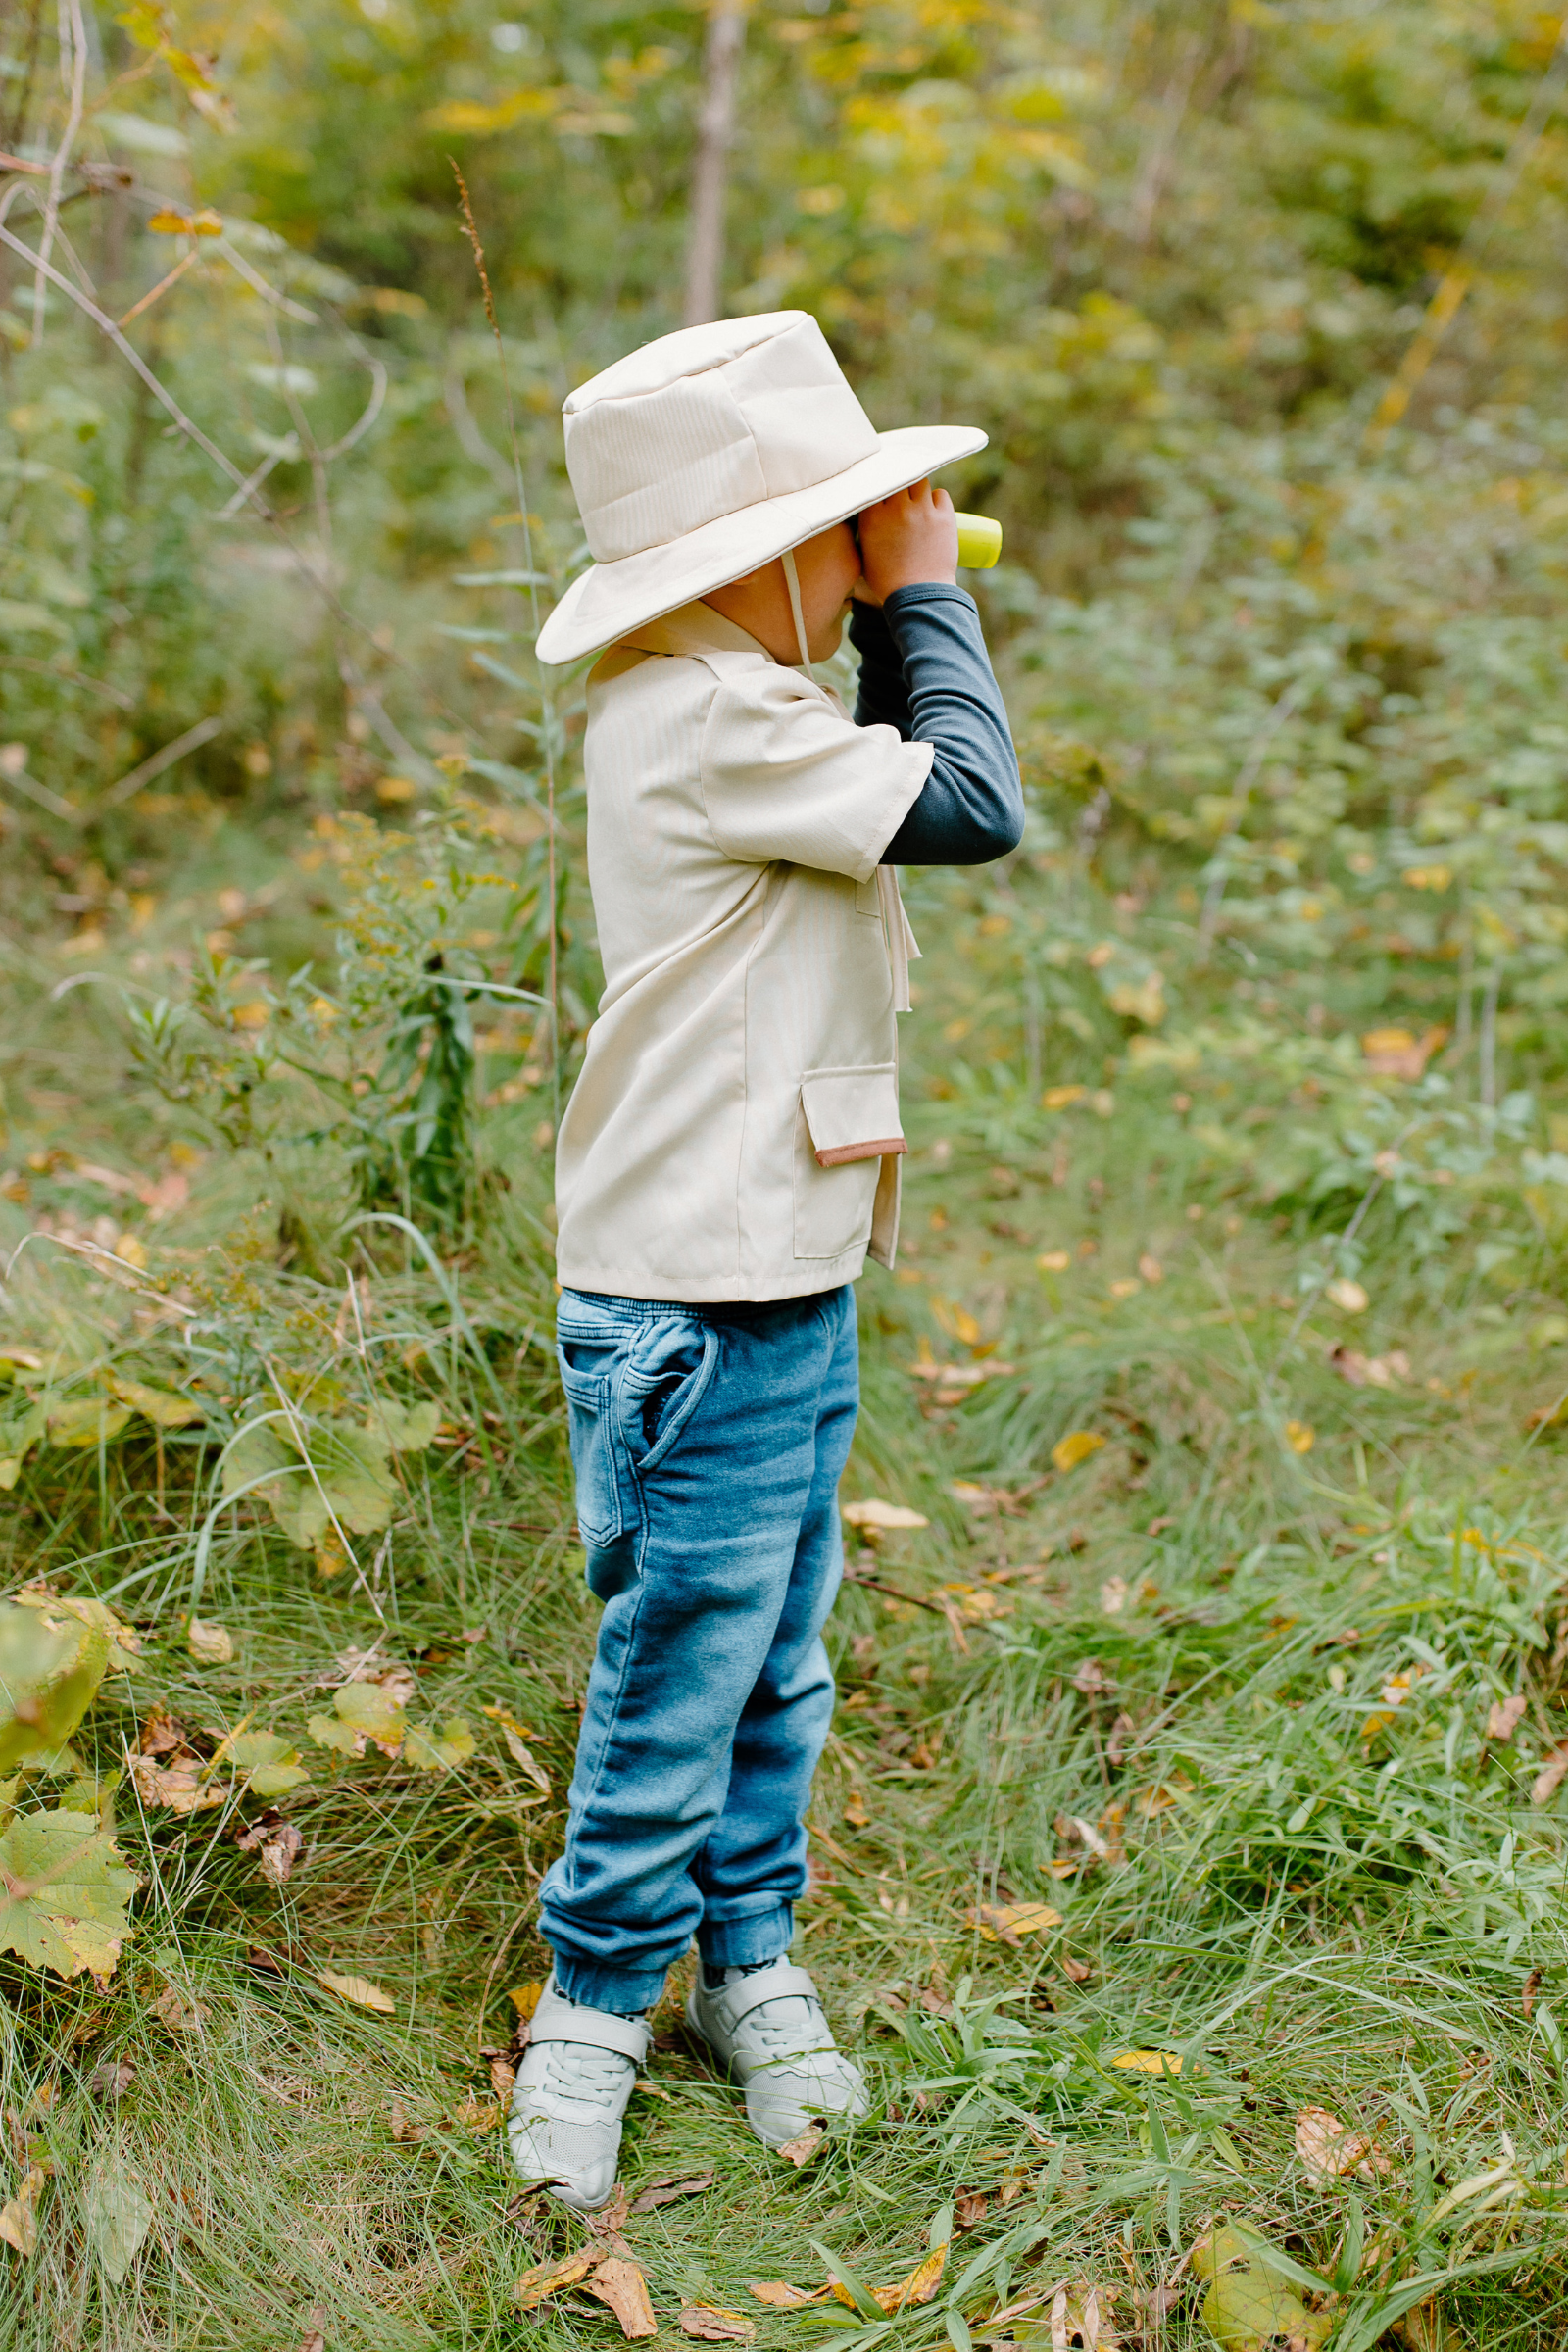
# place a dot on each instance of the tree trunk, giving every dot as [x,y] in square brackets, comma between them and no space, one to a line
[715,126]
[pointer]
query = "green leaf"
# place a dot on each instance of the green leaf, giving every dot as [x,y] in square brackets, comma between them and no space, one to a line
[1282,2266]
[957,2326]
[51,1664]
[63,1891]
[87,1421]
[162,1407]
[329,1731]
[1249,2304]
[372,1710]
[272,1766]
[19,1431]
[439,1751]
[344,1475]
[403,1427]
[117,2215]
[1348,2269]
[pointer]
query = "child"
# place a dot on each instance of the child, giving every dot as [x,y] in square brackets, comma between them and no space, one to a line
[729,1157]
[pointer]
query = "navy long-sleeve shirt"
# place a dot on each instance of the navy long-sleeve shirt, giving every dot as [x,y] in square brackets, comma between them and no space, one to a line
[924,669]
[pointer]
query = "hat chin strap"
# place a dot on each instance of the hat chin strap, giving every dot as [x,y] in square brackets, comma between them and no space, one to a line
[792,581]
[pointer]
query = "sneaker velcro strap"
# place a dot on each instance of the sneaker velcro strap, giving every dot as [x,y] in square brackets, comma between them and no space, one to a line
[558,2020]
[767,1985]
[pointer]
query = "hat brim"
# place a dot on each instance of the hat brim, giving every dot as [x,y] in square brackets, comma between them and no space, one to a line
[609,598]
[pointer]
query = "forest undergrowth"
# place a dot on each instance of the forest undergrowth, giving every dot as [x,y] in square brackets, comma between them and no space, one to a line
[1188,1856]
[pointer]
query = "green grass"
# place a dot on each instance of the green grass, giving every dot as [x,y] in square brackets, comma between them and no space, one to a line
[1165,1669]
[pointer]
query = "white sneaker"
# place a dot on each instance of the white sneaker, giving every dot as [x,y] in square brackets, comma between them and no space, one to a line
[768,2028]
[578,2075]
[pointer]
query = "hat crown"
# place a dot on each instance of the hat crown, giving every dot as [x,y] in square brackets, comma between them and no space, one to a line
[703,423]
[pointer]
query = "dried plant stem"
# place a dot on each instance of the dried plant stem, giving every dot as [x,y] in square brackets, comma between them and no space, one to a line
[547,710]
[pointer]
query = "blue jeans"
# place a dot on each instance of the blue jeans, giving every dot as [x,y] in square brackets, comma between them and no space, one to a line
[708,1445]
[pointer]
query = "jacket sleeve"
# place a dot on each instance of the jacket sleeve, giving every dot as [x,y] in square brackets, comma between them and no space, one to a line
[924,670]
[786,775]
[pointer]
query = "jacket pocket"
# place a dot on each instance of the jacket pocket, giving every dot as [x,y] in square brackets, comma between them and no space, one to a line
[847,1125]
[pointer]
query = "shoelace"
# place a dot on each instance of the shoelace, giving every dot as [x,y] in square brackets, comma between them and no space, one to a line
[791,2027]
[590,2080]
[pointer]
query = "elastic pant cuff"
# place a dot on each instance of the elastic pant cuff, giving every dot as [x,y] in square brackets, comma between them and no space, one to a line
[624,1992]
[747,1942]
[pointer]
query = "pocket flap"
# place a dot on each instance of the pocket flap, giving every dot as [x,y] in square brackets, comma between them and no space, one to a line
[853,1114]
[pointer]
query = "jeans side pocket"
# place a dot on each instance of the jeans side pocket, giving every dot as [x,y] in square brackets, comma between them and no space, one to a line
[662,1386]
[601,1513]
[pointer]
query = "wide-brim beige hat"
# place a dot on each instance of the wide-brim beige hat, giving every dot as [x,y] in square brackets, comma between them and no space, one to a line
[708,453]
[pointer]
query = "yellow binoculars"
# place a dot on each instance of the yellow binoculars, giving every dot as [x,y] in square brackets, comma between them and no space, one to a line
[979,542]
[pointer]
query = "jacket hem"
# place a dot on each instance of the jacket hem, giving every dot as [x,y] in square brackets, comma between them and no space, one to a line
[721,1290]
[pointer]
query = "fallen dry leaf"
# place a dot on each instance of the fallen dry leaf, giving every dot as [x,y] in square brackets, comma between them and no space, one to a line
[275,1842]
[875,1514]
[1075,1447]
[1348,1296]
[358,1989]
[710,2325]
[781,2297]
[1149,2062]
[1008,1923]
[1549,1778]
[667,2188]
[175,2013]
[549,2277]
[181,1785]
[1080,2315]
[855,1811]
[623,2287]
[1503,1720]
[525,1999]
[1328,2150]
[804,2146]
[211,1644]
[1527,1991]
[113,2079]
[503,2078]
[398,2124]
[1077,1972]
[19,2223]
[478,2115]
[920,2286]
[969,2209]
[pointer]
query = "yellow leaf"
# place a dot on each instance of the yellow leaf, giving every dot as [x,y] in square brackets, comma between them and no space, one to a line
[1061,1097]
[1005,1923]
[162,1407]
[19,2224]
[855,1812]
[358,1989]
[1348,1296]
[1299,1435]
[920,2286]
[209,1643]
[876,1513]
[1054,1262]
[516,1736]
[525,1999]
[1149,2062]
[550,2277]
[1149,1267]
[1075,1447]
[781,2297]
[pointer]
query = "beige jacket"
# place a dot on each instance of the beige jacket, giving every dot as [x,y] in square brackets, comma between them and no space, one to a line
[735,1131]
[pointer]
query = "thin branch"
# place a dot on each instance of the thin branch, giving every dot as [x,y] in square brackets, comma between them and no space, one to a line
[58,160]
[193,738]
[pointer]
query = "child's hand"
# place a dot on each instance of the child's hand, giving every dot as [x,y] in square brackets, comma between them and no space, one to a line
[908,537]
